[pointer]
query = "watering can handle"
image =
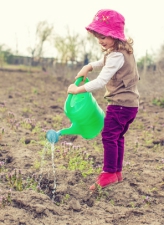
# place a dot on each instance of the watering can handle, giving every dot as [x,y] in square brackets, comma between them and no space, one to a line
[80,79]
[77,82]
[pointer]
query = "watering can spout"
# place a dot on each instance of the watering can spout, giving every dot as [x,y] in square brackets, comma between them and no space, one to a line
[72,130]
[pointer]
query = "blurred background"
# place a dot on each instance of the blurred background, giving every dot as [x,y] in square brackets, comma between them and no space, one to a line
[51,33]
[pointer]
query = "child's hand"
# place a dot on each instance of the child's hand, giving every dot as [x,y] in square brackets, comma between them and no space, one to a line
[72,89]
[84,72]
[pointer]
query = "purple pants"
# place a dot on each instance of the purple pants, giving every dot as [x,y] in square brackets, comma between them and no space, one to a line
[116,124]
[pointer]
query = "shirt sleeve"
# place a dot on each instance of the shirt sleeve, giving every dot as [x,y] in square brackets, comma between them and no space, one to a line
[114,62]
[97,65]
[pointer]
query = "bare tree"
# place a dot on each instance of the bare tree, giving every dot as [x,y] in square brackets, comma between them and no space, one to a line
[68,47]
[43,34]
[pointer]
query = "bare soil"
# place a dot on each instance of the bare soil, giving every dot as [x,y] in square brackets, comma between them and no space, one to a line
[31,104]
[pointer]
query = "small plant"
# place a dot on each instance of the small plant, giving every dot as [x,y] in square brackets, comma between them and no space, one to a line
[132,204]
[82,164]
[112,202]
[11,119]
[77,158]
[15,180]
[65,198]
[37,165]
[5,199]
[32,183]
[3,130]
[2,166]
[156,147]
[57,120]
[28,123]
[101,193]
[158,102]
[96,147]
[18,183]
[147,200]
[148,137]
[35,91]
[2,107]
[26,110]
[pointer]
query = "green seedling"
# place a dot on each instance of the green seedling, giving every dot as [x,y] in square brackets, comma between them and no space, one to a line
[158,102]
[2,166]
[147,200]
[5,199]
[15,180]
[18,183]
[37,165]
[112,202]
[65,198]
[101,193]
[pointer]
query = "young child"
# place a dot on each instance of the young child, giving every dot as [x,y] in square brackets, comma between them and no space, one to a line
[120,76]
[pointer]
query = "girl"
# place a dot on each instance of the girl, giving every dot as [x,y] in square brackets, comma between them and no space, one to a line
[120,76]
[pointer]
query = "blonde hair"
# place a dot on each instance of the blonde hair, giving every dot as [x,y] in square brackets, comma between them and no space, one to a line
[118,45]
[122,45]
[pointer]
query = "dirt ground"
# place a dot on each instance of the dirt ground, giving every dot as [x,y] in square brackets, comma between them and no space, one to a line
[31,104]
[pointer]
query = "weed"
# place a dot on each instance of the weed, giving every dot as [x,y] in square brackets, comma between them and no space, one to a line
[153,190]
[26,110]
[37,165]
[22,140]
[101,193]
[147,200]
[5,199]
[15,180]
[156,148]
[82,164]
[2,107]
[138,125]
[96,147]
[28,123]
[57,119]
[18,183]
[35,91]
[77,158]
[158,102]
[32,183]
[148,137]
[65,198]
[2,166]
[37,128]
[11,119]
[112,202]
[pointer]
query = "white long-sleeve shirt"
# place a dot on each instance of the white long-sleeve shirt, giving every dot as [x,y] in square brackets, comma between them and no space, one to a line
[114,61]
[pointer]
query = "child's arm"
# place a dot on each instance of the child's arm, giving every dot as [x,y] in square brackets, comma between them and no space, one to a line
[84,71]
[97,65]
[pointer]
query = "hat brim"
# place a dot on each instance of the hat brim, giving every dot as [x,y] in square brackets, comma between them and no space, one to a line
[105,31]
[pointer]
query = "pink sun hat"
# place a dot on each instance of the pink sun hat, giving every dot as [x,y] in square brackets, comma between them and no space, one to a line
[108,23]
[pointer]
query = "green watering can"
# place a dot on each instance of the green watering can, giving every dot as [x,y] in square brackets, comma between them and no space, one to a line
[85,114]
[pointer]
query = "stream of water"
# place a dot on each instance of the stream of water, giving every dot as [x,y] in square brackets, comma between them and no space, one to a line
[46,147]
[53,169]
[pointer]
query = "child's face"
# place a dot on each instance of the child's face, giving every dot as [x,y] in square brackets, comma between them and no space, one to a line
[105,42]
